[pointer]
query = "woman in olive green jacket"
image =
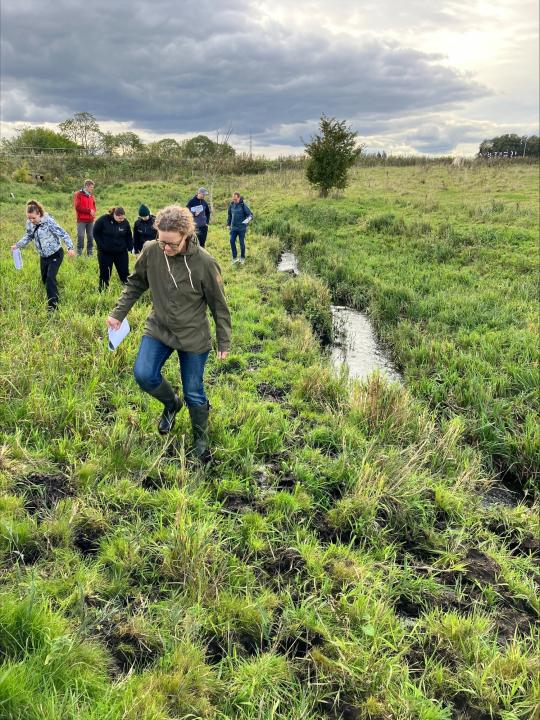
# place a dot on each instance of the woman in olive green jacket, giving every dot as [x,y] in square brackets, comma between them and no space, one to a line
[184,280]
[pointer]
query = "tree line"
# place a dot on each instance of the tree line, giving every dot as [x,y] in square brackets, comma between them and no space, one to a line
[510,145]
[82,134]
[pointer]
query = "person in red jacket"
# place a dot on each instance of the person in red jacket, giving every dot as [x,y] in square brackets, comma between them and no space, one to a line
[85,207]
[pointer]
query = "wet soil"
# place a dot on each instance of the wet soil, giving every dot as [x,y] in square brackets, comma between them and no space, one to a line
[510,621]
[87,536]
[464,709]
[44,491]
[153,482]
[218,648]
[499,495]
[341,710]
[271,392]
[518,544]
[480,567]
[129,648]
[284,561]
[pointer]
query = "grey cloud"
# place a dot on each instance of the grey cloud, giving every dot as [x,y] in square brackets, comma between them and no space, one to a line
[174,68]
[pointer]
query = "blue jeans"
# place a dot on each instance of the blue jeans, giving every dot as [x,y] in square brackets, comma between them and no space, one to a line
[150,360]
[240,234]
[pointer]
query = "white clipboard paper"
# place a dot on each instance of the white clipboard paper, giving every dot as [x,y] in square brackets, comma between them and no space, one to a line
[17,258]
[116,336]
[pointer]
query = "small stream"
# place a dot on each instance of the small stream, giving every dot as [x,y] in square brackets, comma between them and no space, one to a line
[288,262]
[355,343]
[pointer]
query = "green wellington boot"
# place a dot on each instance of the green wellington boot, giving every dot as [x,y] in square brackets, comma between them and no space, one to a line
[165,394]
[199,423]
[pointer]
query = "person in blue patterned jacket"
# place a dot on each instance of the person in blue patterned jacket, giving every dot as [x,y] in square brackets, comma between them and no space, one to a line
[47,236]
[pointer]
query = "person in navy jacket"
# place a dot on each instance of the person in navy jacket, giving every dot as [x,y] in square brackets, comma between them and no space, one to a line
[201,214]
[112,234]
[238,218]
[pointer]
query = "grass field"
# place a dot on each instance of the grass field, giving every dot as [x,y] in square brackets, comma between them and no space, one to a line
[345,555]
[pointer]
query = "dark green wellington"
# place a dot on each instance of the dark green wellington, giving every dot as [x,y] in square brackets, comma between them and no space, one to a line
[165,394]
[199,423]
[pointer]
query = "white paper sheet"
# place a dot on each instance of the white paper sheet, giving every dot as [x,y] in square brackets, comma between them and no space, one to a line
[247,220]
[116,336]
[17,258]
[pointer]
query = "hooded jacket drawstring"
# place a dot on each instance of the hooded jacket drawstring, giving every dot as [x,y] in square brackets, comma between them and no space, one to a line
[172,276]
[189,273]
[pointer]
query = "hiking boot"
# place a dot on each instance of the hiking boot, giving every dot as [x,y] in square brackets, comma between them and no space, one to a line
[199,423]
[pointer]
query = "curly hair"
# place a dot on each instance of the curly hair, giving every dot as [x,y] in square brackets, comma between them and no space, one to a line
[175,218]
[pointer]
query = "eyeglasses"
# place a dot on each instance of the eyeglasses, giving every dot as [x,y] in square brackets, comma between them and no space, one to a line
[163,244]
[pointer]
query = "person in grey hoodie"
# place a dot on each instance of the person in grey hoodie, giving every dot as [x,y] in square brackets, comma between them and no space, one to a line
[184,280]
[47,236]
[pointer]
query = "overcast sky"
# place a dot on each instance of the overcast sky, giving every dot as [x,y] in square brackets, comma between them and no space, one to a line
[411,76]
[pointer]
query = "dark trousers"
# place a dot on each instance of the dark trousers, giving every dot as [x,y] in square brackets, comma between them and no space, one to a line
[152,356]
[106,261]
[49,269]
[202,232]
[240,234]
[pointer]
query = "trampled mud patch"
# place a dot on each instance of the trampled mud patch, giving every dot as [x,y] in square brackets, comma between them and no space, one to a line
[518,543]
[419,655]
[499,495]
[271,392]
[341,710]
[510,622]
[299,645]
[44,491]
[153,482]
[284,561]
[129,647]
[243,644]
[87,535]
[480,567]
[237,503]
[464,709]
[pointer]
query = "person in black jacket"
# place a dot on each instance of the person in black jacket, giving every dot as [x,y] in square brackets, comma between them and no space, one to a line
[201,214]
[112,234]
[144,229]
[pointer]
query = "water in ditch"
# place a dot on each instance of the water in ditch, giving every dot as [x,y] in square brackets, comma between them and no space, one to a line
[355,343]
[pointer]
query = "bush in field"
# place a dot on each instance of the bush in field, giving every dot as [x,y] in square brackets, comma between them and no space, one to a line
[331,154]
[22,174]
